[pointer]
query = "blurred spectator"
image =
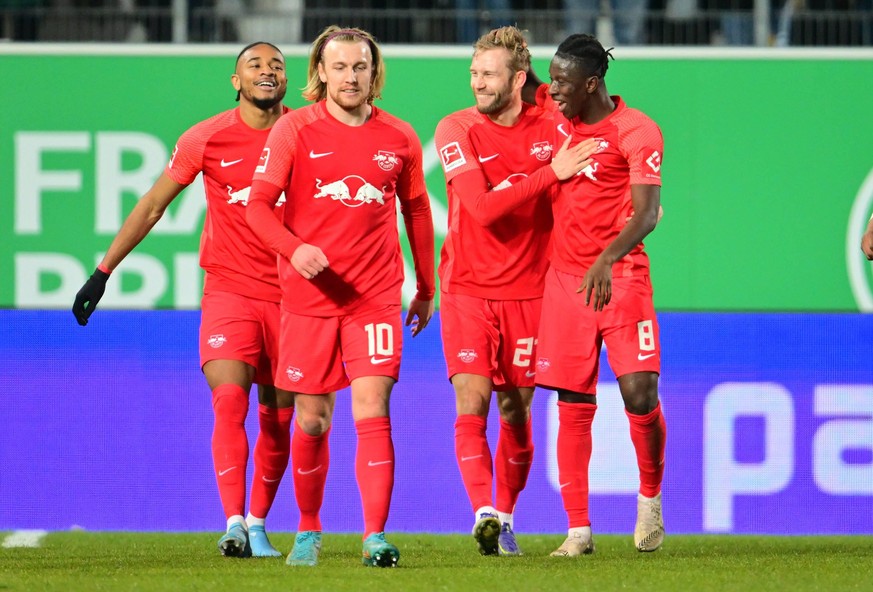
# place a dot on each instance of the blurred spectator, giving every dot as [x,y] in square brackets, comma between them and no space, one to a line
[476,17]
[628,19]
[19,19]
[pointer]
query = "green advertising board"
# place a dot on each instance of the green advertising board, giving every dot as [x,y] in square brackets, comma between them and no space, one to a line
[767,181]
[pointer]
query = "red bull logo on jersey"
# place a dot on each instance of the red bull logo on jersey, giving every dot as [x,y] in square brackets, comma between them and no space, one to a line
[601,145]
[467,355]
[294,374]
[216,341]
[364,191]
[386,160]
[590,170]
[541,150]
[262,161]
[240,197]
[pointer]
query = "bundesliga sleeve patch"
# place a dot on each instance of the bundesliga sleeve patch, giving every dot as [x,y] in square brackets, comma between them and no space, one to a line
[262,161]
[452,156]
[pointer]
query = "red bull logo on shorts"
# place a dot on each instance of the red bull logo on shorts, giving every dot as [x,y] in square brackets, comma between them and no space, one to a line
[467,355]
[543,365]
[294,374]
[216,341]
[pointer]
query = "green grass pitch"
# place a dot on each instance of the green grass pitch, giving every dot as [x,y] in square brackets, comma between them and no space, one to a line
[161,561]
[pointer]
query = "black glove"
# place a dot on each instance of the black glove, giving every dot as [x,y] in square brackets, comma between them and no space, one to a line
[89,296]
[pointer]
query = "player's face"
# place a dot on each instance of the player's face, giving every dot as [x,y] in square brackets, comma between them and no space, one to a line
[347,70]
[569,87]
[491,80]
[260,76]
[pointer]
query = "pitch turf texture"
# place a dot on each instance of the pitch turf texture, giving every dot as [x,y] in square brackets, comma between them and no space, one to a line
[159,561]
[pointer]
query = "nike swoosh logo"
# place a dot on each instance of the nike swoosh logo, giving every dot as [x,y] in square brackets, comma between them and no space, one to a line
[313,154]
[376,464]
[309,472]
[227,163]
[563,485]
[562,130]
[465,458]
[270,480]
[530,374]
[642,357]
[512,461]
[225,471]
[375,360]
[487,158]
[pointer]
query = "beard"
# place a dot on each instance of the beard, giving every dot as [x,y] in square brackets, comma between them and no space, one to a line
[498,103]
[268,103]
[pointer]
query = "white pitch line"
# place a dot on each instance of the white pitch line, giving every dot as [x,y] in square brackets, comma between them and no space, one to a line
[24,538]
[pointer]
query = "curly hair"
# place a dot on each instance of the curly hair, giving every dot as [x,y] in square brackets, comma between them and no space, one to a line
[511,39]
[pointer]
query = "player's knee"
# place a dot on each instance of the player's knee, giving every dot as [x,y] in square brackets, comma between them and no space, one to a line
[640,392]
[230,403]
[313,424]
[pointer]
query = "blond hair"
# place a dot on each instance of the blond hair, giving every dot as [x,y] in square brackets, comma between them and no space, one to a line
[512,40]
[315,89]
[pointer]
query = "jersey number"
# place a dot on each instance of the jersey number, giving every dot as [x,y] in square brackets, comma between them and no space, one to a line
[380,339]
[647,335]
[523,350]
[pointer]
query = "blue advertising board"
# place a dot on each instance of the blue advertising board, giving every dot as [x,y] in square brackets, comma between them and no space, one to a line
[770,430]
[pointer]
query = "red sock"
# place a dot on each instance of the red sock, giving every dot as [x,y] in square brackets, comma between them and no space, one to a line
[474,459]
[374,469]
[230,446]
[512,463]
[649,435]
[272,449]
[310,459]
[574,454]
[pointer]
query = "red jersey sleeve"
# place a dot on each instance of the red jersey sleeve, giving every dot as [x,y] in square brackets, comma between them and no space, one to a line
[186,161]
[643,146]
[468,181]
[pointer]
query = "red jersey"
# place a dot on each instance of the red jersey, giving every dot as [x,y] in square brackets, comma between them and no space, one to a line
[227,150]
[507,258]
[342,184]
[593,207]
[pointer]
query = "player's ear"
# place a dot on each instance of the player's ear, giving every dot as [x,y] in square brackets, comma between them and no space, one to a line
[234,80]
[322,75]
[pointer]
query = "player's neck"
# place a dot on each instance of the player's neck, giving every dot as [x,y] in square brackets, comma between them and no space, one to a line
[351,117]
[600,109]
[257,118]
[509,116]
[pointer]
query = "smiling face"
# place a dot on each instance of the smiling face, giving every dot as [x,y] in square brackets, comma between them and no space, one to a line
[260,76]
[570,88]
[492,81]
[346,69]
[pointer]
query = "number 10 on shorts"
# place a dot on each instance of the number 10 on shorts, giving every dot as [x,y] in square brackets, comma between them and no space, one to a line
[380,339]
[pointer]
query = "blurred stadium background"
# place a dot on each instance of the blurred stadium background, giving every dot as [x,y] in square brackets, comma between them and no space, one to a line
[763,294]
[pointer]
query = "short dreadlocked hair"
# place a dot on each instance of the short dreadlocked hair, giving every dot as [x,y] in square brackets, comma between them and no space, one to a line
[587,52]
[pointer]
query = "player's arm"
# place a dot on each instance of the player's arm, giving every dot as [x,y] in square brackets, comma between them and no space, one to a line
[307,259]
[597,282]
[487,205]
[867,240]
[137,225]
[418,220]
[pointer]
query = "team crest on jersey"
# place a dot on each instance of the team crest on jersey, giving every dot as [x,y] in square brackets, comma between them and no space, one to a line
[262,161]
[216,341]
[542,150]
[543,365]
[467,355]
[602,145]
[452,156]
[386,160]
[342,191]
[654,161]
[294,374]
[173,156]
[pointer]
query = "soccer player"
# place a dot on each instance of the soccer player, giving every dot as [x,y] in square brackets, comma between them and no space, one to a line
[343,164]
[500,171]
[240,307]
[598,288]
[867,240]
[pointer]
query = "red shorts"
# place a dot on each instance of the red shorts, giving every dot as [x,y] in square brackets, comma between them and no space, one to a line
[234,327]
[571,334]
[323,354]
[491,338]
